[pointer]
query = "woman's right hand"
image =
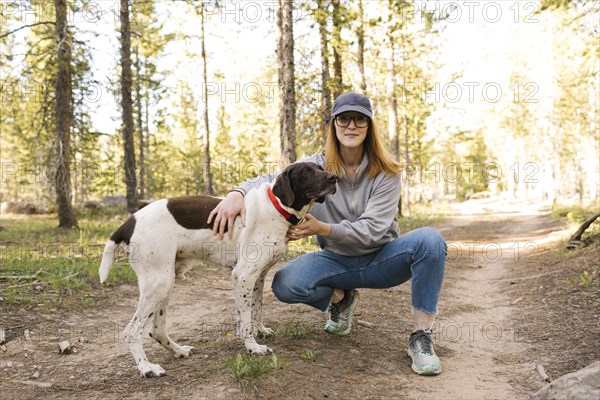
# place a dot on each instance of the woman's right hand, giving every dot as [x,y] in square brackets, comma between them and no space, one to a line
[225,213]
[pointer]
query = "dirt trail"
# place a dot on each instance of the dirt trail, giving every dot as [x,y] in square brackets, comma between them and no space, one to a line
[478,343]
[476,326]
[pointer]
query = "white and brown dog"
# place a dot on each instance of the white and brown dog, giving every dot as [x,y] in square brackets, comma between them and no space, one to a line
[170,236]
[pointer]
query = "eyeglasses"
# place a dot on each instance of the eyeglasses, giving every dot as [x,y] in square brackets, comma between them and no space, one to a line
[360,121]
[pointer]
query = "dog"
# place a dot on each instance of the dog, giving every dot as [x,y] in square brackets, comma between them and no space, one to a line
[169,236]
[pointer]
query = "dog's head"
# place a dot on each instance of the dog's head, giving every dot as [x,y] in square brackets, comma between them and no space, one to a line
[301,182]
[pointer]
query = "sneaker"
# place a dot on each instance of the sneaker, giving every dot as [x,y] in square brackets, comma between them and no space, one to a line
[420,349]
[340,319]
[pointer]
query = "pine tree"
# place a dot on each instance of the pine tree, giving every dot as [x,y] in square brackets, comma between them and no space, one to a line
[64,119]
[287,83]
[127,109]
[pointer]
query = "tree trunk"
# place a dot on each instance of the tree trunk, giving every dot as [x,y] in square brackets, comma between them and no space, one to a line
[325,111]
[337,48]
[360,33]
[287,81]
[64,118]
[207,174]
[127,109]
[392,101]
[393,117]
[146,145]
[140,126]
[406,161]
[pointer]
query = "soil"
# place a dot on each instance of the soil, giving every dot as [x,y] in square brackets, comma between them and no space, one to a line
[510,303]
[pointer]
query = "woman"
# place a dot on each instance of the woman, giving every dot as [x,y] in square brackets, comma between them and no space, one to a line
[357,231]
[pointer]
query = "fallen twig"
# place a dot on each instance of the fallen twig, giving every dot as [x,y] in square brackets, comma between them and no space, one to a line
[71,276]
[43,385]
[516,301]
[575,240]
[34,276]
[6,277]
[26,284]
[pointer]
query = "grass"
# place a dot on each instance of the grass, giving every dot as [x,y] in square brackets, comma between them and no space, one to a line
[41,264]
[247,369]
[295,329]
[421,216]
[308,355]
[575,214]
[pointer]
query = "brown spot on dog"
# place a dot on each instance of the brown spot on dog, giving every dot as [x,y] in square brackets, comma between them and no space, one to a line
[191,212]
[124,232]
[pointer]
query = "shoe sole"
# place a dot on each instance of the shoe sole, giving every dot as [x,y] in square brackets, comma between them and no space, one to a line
[427,370]
[347,330]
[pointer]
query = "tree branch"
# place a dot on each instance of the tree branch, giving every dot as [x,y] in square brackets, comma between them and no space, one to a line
[26,26]
[575,240]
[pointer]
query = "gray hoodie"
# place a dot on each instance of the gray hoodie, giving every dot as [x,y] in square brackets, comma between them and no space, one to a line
[362,215]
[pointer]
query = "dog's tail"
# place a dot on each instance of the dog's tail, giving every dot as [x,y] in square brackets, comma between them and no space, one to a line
[122,234]
[107,259]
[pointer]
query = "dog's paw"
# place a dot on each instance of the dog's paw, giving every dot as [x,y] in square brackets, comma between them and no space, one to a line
[149,370]
[265,332]
[184,351]
[258,349]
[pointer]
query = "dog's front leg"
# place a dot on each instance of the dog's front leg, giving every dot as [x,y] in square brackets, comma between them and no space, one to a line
[245,278]
[257,306]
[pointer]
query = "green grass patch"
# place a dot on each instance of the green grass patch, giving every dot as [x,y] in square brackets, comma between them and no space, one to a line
[574,214]
[247,369]
[422,216]
[295,329]
[308,355]
[41,264]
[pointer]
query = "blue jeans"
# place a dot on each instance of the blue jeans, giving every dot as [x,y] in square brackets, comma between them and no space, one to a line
[419,254]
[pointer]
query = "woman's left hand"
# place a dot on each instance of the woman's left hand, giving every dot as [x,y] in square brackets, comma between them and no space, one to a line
[311,226]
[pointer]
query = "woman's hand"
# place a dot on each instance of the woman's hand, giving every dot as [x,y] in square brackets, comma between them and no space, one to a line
[311,226]
[224,214]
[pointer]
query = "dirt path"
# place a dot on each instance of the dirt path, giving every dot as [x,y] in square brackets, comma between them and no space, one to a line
[475,337]
[476,326]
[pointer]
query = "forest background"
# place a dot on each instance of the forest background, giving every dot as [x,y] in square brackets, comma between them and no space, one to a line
[147,99]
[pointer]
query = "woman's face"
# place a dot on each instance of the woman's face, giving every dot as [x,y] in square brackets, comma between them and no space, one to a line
[351,136]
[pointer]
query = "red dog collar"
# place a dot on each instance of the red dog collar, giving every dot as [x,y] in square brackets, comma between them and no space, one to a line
[292,219]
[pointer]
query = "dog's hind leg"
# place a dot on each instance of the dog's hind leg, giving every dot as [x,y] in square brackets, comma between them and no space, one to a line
[158,331]
[154,289]
[183,266]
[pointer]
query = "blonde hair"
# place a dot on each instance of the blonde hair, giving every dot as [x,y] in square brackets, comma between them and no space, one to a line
[380,159]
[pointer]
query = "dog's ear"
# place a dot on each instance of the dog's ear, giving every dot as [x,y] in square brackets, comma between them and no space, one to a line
[283,189]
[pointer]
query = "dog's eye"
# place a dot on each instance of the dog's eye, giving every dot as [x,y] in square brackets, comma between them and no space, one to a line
[305,171]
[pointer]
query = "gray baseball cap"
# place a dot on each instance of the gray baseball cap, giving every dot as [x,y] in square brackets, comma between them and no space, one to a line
[352,102]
